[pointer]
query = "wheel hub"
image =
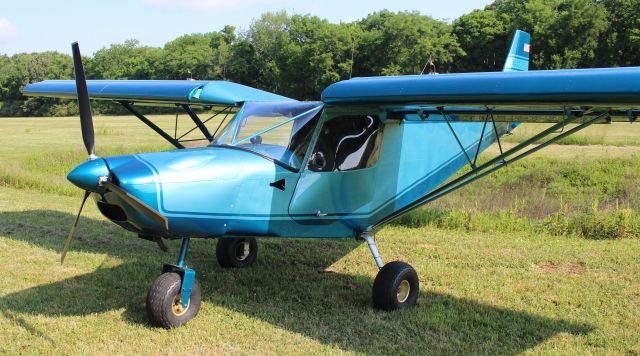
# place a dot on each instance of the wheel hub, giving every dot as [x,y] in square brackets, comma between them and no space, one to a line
[404,289]
[177,307]
[243,250]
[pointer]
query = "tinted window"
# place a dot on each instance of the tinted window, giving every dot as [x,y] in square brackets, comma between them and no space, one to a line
[346,143]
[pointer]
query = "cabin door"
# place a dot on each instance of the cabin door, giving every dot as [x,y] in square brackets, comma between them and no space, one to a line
[339,179]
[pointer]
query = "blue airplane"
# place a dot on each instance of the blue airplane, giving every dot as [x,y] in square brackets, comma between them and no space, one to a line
[371,150]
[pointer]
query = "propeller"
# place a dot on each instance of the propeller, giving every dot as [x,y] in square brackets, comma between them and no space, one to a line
[86,123]
[86,119]
[67,244]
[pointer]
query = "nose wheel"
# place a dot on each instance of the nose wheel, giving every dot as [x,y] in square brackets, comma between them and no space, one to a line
[236,253]
[396,285]
[174,297]
[164,301]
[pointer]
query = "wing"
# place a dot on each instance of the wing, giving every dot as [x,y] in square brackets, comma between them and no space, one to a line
[179,93]
[535,96]
[156,91]
[570,99]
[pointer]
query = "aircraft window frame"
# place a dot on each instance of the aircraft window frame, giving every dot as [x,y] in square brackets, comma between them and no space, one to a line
[248,138]
[370,149]
[303,118]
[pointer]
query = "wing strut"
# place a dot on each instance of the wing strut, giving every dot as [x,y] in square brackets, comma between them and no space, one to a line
[503,158]
[153,126]
[198,122]
[495,131]
[475,159]
[175,140]
[226,111]
[466,155]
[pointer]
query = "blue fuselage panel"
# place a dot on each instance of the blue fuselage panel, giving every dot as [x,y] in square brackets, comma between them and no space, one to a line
[218,191]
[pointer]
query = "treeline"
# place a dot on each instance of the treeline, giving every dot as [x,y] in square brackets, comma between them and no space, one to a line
[299,55]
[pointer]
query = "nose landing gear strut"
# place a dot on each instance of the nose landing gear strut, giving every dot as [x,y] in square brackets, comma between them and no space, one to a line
[174,298]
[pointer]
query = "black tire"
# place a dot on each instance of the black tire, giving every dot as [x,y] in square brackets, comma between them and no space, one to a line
[163,294]
[231,253]
[390,287]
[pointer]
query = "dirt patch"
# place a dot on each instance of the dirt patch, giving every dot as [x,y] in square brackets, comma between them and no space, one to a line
[575,268]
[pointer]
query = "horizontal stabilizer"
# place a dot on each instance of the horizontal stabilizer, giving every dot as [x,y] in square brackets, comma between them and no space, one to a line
[156,91]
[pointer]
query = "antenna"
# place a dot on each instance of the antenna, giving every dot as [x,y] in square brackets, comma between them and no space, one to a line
[432,70]
[353,49]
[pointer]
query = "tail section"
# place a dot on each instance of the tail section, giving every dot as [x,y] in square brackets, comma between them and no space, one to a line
[518,57]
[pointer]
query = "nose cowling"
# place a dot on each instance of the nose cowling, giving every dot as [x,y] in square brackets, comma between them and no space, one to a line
[85,176]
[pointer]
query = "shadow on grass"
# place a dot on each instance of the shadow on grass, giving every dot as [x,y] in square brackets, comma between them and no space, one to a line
[286,288]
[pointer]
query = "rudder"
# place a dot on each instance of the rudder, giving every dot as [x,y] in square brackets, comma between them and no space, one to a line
[518,57]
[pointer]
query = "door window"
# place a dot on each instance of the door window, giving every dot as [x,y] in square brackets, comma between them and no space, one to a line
[347,142]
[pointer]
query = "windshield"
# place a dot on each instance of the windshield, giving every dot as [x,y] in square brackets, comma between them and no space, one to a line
[281,130]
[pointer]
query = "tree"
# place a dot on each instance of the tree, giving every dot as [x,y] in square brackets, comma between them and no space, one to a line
[128,60]
[620,44]
[483,37]
[196,56]
[268,41]
[318,54]
[404,43]
[223,45]
[297,56]
[565,33]
[5,63]
[23,69]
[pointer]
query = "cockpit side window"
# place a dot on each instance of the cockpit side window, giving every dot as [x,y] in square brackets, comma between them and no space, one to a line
[301,136]
[279,131]
[347,142]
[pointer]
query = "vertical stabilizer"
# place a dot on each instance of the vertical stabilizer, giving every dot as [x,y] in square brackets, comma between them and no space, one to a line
[518,57]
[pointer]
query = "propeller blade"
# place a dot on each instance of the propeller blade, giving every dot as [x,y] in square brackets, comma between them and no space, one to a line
[137,203]
[86,120]
[73,229]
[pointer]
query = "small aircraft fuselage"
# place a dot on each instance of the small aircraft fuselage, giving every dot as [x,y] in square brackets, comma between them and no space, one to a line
[289,169]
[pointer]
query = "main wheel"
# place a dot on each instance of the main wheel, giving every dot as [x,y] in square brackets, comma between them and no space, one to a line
[396,287]
[164,302]
[236,253]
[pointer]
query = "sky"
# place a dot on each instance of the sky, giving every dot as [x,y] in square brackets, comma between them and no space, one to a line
[43,25]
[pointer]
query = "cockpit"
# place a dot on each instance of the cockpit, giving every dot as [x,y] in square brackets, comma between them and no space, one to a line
[280,131]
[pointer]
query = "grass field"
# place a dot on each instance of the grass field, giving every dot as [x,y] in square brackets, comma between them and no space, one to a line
[619,134]
[488,285]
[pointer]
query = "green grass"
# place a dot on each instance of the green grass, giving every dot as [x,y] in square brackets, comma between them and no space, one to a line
[597,224]
[481,293]
[541,257]
[39,152]
[616,134]
[592,197]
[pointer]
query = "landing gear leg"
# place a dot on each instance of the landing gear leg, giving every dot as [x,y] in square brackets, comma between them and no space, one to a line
[174,298]
[396,286]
